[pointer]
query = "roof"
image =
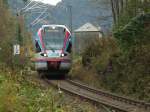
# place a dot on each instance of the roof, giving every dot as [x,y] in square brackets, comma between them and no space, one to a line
[55,25]
[88,27]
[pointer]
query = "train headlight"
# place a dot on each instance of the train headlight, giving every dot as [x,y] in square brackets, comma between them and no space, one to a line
[45,55]
[62,54]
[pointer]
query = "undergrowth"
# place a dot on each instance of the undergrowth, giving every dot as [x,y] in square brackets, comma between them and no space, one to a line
[26,93]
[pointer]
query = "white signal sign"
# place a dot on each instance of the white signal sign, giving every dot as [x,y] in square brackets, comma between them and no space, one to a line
[16,49]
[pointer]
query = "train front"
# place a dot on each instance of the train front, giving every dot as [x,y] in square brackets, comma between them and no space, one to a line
[53,47]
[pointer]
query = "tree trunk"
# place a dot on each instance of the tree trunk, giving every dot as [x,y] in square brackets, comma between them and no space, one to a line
[113,11]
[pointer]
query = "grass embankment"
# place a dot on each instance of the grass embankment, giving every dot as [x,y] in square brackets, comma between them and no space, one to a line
[121,64]
[26,93]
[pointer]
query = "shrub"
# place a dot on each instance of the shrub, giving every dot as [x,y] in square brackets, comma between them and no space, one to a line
[133,33]
[99,53]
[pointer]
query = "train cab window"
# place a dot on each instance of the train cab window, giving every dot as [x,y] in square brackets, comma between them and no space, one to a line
[53,38]
[38,49]
[69,46]
[70,43]
[64,31]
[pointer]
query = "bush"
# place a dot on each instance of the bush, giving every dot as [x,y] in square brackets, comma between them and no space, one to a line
[131,70]
[99,54]
[133,33]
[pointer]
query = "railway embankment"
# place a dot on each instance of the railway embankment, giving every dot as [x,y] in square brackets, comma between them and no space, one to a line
[27,92]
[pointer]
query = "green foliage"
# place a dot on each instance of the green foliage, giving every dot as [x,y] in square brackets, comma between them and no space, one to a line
[7,33]
[132,33]
[27,93]
[12,32]
[25,96]
[88,76]
[99,53]
[129,10]
[130,74]
[131,70]
[96,61]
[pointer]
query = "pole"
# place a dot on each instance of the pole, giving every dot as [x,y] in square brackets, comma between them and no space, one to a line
[70,17]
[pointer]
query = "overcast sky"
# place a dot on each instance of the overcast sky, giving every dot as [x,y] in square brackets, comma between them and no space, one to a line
[51,2]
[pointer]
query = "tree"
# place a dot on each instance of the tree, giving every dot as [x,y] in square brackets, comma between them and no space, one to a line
[12,30]
[7,33]
[124,10]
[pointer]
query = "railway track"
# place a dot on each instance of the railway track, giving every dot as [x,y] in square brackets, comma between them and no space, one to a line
[105,98]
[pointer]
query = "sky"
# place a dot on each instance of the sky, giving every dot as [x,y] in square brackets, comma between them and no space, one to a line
[51,2]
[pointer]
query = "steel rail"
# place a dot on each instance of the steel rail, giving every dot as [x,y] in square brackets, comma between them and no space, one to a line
[126,100]
[110,100]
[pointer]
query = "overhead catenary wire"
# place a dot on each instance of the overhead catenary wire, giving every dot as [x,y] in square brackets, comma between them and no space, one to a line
[35,12]
[35,8]
[42,5]
[30,7]
[27,9]
[28,4]
[38,21]
[39,16]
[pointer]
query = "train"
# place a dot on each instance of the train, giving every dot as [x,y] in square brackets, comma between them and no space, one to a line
[53,46]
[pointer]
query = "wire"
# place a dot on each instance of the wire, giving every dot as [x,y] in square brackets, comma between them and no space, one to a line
[42,5]
[35,12]
[38,21]
[39,16]
[27,9]
[28,4]
[36,7]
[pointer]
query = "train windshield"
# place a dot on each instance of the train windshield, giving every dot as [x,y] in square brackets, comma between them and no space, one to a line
[53,38]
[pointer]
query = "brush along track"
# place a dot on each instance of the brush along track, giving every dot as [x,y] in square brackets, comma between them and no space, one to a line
[115,102]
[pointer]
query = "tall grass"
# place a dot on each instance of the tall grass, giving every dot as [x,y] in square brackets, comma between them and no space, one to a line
[28,94]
